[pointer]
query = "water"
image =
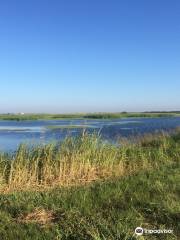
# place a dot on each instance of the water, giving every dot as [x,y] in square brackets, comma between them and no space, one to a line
[12,133]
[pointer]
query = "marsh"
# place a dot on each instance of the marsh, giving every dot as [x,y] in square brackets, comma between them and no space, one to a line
[13,133]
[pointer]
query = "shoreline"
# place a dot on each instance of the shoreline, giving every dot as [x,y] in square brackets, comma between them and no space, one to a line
[103,116]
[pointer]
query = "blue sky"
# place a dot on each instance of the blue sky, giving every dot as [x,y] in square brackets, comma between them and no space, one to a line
[89,55]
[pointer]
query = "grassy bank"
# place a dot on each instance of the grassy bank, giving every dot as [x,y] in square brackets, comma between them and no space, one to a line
[83,159]
[107,210]
[87,189]
[19,117]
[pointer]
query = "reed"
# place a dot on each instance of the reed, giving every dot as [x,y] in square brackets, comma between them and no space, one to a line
[84,159]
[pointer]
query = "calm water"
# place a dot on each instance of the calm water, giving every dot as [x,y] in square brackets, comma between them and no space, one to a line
[12,133]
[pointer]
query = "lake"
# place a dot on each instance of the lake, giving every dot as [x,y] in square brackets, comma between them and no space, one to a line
[12,133]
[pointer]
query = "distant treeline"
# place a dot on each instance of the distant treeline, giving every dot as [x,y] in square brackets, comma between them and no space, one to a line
[18,118]
[23,117]
[127,115]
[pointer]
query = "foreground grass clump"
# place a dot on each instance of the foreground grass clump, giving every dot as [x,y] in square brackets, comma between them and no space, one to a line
[84,159]
[107,210]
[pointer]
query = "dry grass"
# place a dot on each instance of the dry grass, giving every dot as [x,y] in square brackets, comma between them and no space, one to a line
[82,160]
[39,215]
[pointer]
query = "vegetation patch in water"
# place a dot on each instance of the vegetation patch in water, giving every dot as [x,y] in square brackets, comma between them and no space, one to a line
[53,127]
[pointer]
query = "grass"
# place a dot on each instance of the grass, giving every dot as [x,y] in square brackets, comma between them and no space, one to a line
[103,210]
[83,159]
[88,189]
[19,117]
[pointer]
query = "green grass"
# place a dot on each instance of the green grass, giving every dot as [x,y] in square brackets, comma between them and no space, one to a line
[105,210]
[87,189]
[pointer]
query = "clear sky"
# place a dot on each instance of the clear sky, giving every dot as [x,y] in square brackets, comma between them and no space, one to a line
[89,55]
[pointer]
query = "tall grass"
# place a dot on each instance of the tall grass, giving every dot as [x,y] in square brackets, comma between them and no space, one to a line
[84,159]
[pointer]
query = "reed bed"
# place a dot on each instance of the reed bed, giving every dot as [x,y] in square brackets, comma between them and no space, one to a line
[84,159]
